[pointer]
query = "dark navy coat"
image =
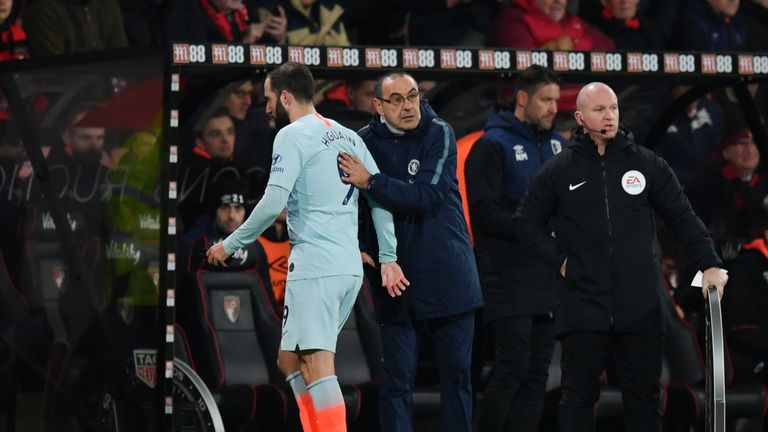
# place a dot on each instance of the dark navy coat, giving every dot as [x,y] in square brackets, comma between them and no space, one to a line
[498,170]
[418,185]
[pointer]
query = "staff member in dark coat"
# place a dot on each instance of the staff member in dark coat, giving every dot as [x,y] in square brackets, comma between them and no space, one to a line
[600,195]
[519,288]
[416,153]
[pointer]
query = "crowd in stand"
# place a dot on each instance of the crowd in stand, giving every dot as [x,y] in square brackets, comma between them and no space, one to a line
[48,27]
[36,28]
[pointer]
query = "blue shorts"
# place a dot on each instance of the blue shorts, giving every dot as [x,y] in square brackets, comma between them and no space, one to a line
[316,310]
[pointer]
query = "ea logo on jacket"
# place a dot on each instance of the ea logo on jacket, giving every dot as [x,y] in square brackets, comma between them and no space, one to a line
[633,182]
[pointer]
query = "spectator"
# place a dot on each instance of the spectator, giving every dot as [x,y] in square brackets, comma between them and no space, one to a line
[277,247]
[710,25]
[78,168]
[754,15]
[519,289]
[354,95]
[13,38]
[545,24]
[692,138]
[144,21]
[745,311]
[254,134]
[361,95]
[80,161]
[731,195]
[211,158]
[350,104]
[226,212]
[225,21]
[416,152]
[662,14]
[133,221]
[316,22]
[239,99]
[216,138]
[57,27]
[137,173]
[424,23]
[629,28]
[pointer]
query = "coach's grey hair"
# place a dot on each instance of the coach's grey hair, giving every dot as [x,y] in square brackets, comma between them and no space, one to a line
[386,76]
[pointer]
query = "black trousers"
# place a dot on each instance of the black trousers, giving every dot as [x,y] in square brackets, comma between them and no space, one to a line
[523,349]
[637,361]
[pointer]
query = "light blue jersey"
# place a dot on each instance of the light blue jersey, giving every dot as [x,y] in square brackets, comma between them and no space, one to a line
[322,210]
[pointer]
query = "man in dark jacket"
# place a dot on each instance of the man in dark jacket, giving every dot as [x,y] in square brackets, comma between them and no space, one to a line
[518,287]
[416,153]
[731,193]
[226,212]
[744,310]
[210,160]
[600,195]
[58,27]
[709,26]
[629,27]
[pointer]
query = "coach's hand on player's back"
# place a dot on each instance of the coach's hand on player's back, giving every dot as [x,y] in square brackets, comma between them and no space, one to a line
[354,171]
[393,279]
[217,255]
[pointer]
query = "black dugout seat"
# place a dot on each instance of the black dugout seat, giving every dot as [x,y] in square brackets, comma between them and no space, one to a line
[236,403]
[63,304]
[225,315]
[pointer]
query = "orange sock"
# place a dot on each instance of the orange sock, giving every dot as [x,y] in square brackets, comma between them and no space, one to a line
[332,419]
[329,404]
[307,413]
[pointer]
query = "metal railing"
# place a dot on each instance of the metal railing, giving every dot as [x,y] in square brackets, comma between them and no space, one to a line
[715,409]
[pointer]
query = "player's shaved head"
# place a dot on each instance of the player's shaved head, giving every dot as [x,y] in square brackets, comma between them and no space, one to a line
[590,91]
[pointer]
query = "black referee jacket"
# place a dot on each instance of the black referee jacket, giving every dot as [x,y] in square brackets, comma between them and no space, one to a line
[602,210]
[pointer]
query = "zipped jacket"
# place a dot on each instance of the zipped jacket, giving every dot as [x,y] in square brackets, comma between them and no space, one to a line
[498,170]
[602,209]
[418,184]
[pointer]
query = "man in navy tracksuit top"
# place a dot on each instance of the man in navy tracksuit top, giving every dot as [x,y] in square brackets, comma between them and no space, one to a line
[416,153]
[518,287]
